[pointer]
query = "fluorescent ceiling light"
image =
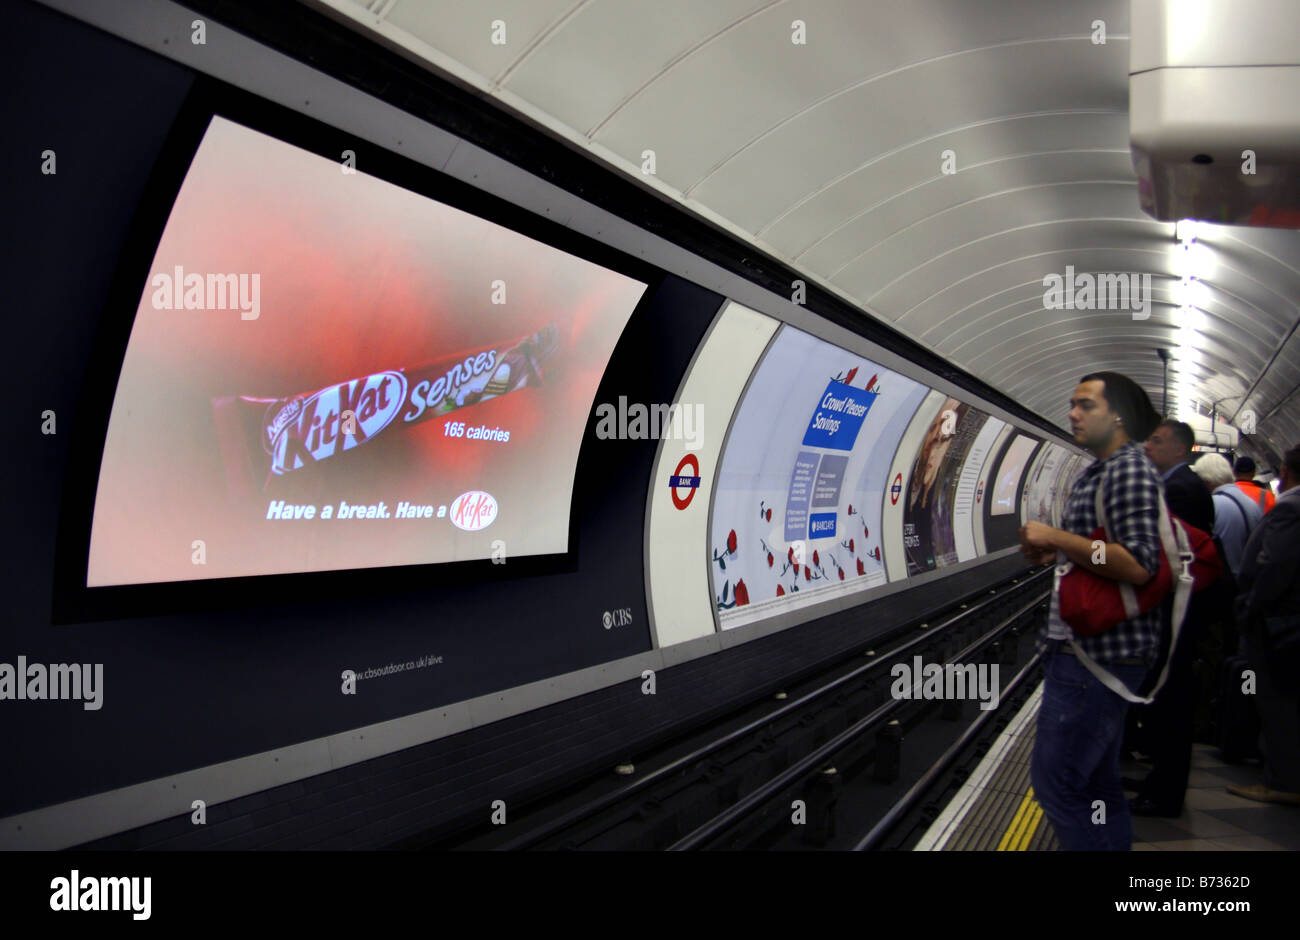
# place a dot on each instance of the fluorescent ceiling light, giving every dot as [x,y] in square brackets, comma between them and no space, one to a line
[1186,230]
[1189,318]
[1189,292]
[1193,260]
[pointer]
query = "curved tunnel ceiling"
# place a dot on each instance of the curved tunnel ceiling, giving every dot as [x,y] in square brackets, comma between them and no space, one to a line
[829,156]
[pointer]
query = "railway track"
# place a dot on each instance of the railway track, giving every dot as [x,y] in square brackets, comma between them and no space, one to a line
[837,760]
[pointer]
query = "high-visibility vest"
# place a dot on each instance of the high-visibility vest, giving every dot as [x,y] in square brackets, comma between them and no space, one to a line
[1262,495]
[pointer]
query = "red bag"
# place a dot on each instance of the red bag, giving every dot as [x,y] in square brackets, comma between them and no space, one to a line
[1091,604]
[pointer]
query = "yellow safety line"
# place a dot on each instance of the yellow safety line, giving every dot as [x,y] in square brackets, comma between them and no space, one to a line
[1007,837]
[1032,827]
[1018,842]
[1031,824]
[1023,825]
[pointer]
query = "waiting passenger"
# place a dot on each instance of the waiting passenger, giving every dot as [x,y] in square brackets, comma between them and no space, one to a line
[1081,721]
[1268,614]
[1262,495]
[1169,721]
[1235,513]
[1170,448]
[1235,518]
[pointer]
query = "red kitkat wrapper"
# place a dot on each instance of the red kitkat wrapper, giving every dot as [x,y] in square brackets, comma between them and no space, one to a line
[261,438]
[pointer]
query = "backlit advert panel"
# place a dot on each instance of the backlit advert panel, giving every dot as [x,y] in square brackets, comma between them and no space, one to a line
[1040,490]
[327,371]
[796,513]
[1012,468]
[968,504]
[928,520]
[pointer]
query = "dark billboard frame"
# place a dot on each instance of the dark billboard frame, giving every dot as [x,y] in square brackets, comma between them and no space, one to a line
[73,601]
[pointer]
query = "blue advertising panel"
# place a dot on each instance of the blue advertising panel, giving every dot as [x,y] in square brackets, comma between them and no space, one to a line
[796,513]
[839,416]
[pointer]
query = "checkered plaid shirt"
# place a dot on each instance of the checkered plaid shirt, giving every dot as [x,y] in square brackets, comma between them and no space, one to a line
[1133,493]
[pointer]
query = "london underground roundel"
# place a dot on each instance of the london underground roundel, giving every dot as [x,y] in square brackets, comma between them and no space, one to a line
[689,482]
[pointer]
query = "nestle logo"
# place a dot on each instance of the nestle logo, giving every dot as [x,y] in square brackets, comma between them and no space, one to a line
[281,420]
[473,510]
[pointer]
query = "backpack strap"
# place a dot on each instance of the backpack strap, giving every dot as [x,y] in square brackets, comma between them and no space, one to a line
[1176,544]
[1245,522]
[1244,518]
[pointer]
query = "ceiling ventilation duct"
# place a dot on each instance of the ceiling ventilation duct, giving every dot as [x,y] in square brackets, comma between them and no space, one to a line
[1214,119]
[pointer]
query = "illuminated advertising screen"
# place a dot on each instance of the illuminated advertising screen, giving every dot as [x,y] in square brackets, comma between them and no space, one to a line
[796,513]
[968,514]
[327,371]
[1041,488]
[929,536]
[1009,472]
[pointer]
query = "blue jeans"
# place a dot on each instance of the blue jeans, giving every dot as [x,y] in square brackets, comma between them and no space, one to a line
[1076,755]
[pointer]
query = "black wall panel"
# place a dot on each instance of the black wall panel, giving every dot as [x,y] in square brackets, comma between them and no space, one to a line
[444,786]
[186,690]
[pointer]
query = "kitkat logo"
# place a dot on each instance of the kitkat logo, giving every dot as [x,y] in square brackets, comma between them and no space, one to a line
[333,420]
[473,510]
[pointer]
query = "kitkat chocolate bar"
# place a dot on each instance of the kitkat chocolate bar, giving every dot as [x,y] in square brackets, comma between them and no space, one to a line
[268,437]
